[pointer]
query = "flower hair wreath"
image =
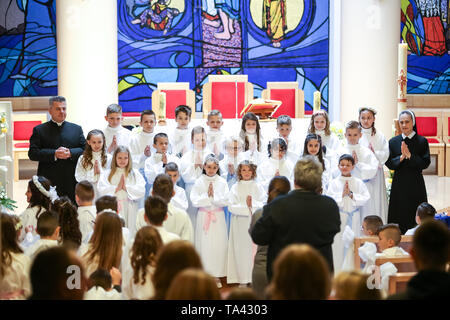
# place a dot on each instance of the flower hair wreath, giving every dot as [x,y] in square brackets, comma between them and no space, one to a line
[51,194]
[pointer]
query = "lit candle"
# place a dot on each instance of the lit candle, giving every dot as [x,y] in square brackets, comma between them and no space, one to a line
[401,76]
[317,100]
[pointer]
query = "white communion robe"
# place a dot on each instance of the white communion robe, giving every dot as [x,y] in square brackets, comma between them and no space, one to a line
[349,212]
[131,290]
[179,200]
[86,217]
[365,169]
[127,200]
[252,154]
[267,169]
[123,136]
[240,245]
[211,240]
[138,142]
[295,148]
[15,284]
[154,165]
[29,220]
[223,164]
[180,139]
[331,143]
[88,174]
[377,185]
[215,137]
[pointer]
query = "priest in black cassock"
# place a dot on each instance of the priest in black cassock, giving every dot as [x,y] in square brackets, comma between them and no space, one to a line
[57,144]
[409,154]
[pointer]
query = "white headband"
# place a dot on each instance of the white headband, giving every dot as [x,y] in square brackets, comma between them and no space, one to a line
[412,116]
[51,194]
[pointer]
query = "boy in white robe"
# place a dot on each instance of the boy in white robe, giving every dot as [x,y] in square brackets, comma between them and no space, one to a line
[179,200]
[246,196]
[214,135]
[389,237]
[377,143]
[366,164]
[155,215]
[210,194]
[180,138]
[48,230]
[115,134]
[350,193]
[233,156]
[84,196]
[284,129]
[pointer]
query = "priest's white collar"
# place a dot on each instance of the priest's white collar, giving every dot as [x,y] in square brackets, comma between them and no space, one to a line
[58,123]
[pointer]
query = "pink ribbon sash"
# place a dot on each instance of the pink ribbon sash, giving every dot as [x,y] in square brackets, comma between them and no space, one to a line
[210,216]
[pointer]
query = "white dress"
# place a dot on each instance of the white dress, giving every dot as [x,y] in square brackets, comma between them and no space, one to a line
[331,143]
[29,220]
[127,200]
[252,154]
[214,137]
[266,171]
[86,217]
[211,239]
[349,212]
[240,245]
[123,136]
[180,139]
[131,290]
[377,185]
[154,165]
[88,174]
[223,164]
[366,169]
[15,284]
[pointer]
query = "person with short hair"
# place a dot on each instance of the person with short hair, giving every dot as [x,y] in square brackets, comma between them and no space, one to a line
[301,216]
[215,135]
[84,195]
[389,236]
[179,200]
[431,254]
[115,134]
[424,211]
[105,285]
[57,145]
[156,214]
[48,230]
[371,225]
[180,138]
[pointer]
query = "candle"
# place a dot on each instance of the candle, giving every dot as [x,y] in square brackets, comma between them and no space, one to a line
[162,105]
[317,100]
[401,76]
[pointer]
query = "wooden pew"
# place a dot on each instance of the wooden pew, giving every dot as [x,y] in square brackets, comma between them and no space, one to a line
[399,281]
[402,263]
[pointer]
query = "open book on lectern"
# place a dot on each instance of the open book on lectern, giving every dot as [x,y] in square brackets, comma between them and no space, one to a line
[264,108]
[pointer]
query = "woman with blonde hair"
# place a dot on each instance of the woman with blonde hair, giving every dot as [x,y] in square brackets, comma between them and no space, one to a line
[104,250]
[193,284]
[171,259]
[300,273]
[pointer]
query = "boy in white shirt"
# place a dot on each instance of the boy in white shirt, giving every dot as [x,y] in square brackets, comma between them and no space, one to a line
[158,160]
[105,285]
[84,196]
[179,200]
[424,211]
[180,138]
[48,230]
[142,141]
[115,134]
[389,237]
[284,128]
[214,137]
[156,214]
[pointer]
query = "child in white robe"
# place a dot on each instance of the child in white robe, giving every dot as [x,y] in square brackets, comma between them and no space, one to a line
[210,194]
[94,159]
[254,146]
[276,164]
[137,280]
[84,196]
[14,264]
[104,285]
[214,135]
[377,143]
[313,146]
[126,183]
[284,128]
[350,193]
[246,196]
[191,166]
[389,236]
[115,134]
[366,164]
[320,124]
[233,156]
[180,138]
[179,200]
[156,163]
[48,230]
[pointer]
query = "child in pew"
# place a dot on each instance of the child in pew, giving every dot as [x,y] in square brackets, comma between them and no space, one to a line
[389,236]
[142,146]
[157,162]
[214,135]
[191,166]
[254,146]
[180,138]
[366,164]
[276,164]
[155,215]
[94,159]
[105,285]
[284,128]
[350,194]
[320,124]
[115,134]
[179,200]
[126,183]
[84,196]
[424,211]
[177,221]
[48,230]
[371,225]
[233,146]
[313,146]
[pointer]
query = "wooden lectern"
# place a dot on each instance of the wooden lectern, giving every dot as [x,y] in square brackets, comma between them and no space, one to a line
[263,108]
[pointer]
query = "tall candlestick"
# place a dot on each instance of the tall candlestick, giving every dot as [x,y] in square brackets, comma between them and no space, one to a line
[162,109]
[317,99]
[401,76]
